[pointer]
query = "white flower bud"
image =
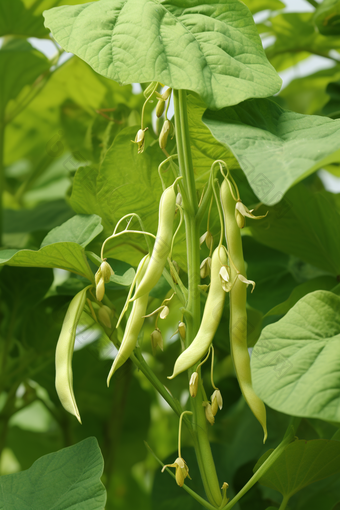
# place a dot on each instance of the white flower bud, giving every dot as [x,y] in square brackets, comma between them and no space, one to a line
[193,384]
[164,313]
[205,267]
[182,330]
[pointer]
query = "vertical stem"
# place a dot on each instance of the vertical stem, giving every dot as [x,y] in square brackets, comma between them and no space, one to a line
[2,178]
[201,441]
[284,503]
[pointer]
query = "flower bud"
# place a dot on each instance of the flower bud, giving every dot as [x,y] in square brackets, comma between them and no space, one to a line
[179,199]
[240,220]
[98,276]
[100,289]
[182,470]
[208,238]
[104,315]
[216,401]
[208,413]
[156,340]
[193,384]
[160,107]
[163,137]
[139,140]
[225,276]
[164,313]
[182,330]
[205,267]
[106,271]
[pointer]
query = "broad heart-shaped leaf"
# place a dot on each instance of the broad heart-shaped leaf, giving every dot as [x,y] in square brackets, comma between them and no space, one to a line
[80,229]
[302,224]
[68,256]
[20,65]
[302,463]
[275,148]
[65,480]
[24,17]
[211,48]
[296,361]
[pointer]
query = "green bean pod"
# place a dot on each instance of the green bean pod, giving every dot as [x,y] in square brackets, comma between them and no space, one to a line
[134,323]
[64,353]
[238,312]
[211,318]
[162,244]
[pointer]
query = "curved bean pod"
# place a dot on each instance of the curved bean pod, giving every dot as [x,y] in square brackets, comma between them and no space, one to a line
[211,318]
[64,353]
[161,249]
[238,312]
[134,323]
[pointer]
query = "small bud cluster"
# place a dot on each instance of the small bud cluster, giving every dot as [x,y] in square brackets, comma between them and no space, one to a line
[102,276]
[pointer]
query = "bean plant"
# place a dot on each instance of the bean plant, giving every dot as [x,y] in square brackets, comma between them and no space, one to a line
[170,303]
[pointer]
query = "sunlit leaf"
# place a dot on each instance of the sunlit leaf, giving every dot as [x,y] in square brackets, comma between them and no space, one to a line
[275,147]
[203,47]
[63,480]
[295,363]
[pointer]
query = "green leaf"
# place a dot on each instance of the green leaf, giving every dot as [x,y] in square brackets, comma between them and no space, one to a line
[319,283]
[275,148]
[63,480]
[111,192]
[207,48]
[302,463]
[80,229]
[302,224]
[43,217]
[68,256]
[327,17]
[295,363]
[261,5]
[24,17]
[295,32]
[310,94]
[20,65]
[332,108]
[23,288]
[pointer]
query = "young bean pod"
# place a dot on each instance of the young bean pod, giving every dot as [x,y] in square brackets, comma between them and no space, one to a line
[162,244]
[211,318]
[134,323]
[64,352]
[238,313]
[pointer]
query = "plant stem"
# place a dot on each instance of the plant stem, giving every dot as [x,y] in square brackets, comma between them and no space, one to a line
[190,206]
[288,438]
[284,503]
[2,179]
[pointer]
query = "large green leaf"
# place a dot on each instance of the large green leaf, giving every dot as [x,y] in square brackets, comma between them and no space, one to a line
[80,229]
[68,256]
[302,463]
[63,480]
[302,224]
[275,148]
[20,65]
[209,48]
[296,361]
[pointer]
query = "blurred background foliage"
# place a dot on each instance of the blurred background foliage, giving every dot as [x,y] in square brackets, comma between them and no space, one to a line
[64,133]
